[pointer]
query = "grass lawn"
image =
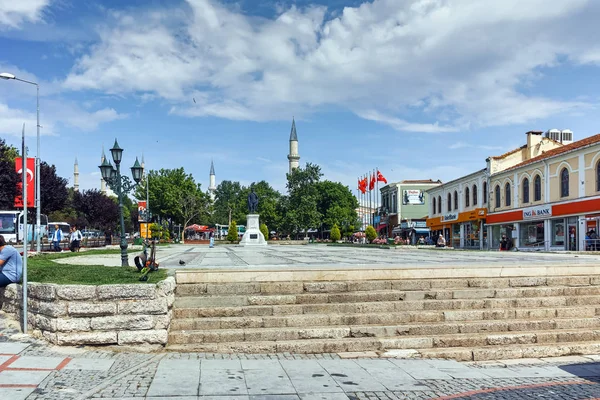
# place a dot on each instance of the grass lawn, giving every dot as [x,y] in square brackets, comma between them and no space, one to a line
[43,269]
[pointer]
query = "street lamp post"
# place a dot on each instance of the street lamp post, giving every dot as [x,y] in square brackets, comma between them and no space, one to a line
[122,185]
[7,76]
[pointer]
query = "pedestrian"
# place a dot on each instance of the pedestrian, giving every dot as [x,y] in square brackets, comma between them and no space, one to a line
[11,264]
[57,237]
[441,242]
[75,237]
[211,236]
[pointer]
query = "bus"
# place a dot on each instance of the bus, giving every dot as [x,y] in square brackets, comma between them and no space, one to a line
[8,226]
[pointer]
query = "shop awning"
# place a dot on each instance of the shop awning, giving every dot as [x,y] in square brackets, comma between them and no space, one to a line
[422,231]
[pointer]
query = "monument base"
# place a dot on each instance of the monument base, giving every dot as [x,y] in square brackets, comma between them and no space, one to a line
[253,236]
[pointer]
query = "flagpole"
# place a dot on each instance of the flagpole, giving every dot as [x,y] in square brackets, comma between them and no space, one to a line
[377,194]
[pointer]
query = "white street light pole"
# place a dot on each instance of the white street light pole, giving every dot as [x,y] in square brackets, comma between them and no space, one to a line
[38,207]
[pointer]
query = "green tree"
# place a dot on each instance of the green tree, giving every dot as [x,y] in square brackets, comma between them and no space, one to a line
[8,176]
[53,189]
[228,204]
[335,233]
[96,209]
[370,233]
[265,231]
[302,213]
[232,233]
[337,204]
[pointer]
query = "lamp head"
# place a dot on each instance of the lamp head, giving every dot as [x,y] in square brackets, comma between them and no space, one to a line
[117,153]
[137,171]
[6,75]
[106,169]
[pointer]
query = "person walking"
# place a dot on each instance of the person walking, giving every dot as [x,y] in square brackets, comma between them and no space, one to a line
[11,264]
[75,237]
[212,239]
[57,236]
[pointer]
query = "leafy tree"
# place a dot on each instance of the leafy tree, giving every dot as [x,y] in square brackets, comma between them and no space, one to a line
[265,231]
[335,233]
[96,209]
[337,204]
[8,176]
[193,205]
[53,189]
[228,205]
[302,213]
[370,233]
[232,233]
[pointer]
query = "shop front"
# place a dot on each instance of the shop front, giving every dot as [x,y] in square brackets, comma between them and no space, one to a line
[461,230]
[550,227]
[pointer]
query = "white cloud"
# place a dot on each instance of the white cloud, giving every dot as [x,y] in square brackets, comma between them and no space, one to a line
[462,145]
[12,120]
[14,13]
[459,62]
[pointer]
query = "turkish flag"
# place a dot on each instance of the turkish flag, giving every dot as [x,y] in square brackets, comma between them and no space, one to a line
[30,170]
[380,177]
[362,185]
[372,183]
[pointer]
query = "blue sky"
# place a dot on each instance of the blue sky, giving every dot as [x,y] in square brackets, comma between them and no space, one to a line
[418,88]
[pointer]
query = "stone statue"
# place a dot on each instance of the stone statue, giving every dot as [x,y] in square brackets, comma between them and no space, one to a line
[252,202]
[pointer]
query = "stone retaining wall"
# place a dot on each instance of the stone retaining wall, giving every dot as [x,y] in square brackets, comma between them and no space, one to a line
[96,315]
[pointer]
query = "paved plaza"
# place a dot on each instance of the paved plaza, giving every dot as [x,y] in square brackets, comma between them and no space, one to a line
[323,256]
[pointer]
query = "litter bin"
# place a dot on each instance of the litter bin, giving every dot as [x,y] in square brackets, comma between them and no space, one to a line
[390,240]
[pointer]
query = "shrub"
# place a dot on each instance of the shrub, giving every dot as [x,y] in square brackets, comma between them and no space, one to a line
[370,233]
[335,233]
[232,234]
[265,231]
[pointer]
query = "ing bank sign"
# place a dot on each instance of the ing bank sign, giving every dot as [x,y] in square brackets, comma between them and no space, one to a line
[537,212]
[449,217]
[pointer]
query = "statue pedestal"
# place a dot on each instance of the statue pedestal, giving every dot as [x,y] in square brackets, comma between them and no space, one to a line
[253,236]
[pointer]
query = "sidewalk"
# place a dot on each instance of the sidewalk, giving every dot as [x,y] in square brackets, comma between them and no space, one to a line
[30,369]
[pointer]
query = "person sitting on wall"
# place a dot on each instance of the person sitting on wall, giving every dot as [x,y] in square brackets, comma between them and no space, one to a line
[441,242]
[421,240]
[11,264]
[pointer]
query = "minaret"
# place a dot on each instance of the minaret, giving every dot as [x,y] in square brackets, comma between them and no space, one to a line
[102,182]
[76,176]
[212,187]
[293,157]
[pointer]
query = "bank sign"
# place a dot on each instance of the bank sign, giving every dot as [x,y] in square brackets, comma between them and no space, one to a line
[450,217]
[537,212]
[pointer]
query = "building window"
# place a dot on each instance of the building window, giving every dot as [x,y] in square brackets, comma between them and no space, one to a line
[497,195]
[564,182]
[467,196]
[525,190]
[434,202]
[449,202]
[537,188]
[507,194]
[455,200]
[485,192]
[474,195]
[598,177]
[440,204]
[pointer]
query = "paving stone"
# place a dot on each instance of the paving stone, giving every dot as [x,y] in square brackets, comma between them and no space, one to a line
[89,364]
[8,377]
[15,393]
[12,347]
[37,362]
[176,378]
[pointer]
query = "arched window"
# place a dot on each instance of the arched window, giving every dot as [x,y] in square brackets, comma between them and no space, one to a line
[497,195]
[484,192]
[433,206]
[507,194]
[564,182]
[598,177]
[537,188]
[449,205]
[474,195]
[525,190]
[467,197]
[440,204]
[455,200]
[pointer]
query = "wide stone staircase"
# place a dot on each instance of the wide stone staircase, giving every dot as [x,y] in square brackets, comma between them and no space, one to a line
[464,314]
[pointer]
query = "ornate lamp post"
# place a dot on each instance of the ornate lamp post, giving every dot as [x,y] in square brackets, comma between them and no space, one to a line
[122,185]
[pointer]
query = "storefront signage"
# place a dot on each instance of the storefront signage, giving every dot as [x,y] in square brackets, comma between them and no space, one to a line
[537,212]
[450,217]
[413,224]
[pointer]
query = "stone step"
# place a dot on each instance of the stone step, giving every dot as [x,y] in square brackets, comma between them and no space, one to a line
[381,295]
[489,353]
[451,333]
[191,311]
[319,286]
[533,275]
[403,317]
[495,346]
